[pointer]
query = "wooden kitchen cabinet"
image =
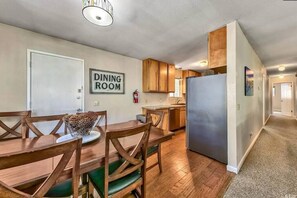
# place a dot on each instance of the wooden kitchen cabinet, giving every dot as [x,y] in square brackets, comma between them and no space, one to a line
[157,76]
[186,74]
[163,77]
[182,117]
[171,78]
[178,73]
[150,75]
[217,48]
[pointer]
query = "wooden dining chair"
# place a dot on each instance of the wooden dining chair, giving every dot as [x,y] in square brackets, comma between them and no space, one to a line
[102,115]
[11,132]
[156,117]
[46,188]
[120,177]
[31,123]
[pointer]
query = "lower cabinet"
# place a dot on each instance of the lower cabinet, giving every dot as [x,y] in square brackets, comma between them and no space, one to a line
[182,115]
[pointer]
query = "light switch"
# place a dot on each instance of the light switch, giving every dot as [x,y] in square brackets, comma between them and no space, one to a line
[96,103]
[238,107]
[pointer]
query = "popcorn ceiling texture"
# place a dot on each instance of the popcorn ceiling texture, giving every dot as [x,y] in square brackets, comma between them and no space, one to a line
[270,169]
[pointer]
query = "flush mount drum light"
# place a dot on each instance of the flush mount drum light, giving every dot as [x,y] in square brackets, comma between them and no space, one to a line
[281,68]
[99,12]
[203,63]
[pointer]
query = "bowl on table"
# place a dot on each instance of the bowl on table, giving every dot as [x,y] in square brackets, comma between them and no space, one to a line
[81,125]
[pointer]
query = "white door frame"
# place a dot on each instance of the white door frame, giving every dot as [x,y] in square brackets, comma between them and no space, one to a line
[292,99]
[29,58]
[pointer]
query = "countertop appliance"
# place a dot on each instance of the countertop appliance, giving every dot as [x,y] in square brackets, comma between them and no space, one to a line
[207,116]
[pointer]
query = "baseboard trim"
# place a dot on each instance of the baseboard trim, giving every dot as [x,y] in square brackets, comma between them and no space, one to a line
[267,120]
[237,169]
[249,149]
[232,169]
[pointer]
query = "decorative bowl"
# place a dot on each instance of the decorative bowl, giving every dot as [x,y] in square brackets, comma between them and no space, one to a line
[81,124]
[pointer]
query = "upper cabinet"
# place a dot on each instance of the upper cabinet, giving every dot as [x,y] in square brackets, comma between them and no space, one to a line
[150,75]
[163,77]
[217,48]
[171,78]
[157,76]
[179,73]
[186,74]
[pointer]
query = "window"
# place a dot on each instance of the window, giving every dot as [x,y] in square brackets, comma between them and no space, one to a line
[178,86]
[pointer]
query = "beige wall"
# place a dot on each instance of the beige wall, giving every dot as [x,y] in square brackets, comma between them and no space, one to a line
[245,113]
[14,43]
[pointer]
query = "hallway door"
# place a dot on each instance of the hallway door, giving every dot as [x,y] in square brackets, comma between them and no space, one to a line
[55,86]
[286,99]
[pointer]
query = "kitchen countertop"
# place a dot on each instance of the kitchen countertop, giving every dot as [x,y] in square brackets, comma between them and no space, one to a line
[159,107]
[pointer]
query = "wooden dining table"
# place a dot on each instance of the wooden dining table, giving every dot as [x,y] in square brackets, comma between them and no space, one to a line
[92,154]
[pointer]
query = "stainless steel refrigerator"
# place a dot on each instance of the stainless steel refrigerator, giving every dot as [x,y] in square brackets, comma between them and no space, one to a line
[207,116]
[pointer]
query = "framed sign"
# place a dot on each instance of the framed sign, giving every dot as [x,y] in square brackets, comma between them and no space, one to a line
[249,81]
[106,82]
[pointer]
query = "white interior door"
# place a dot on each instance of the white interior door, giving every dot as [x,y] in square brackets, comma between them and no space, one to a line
[286,99]
[56,85]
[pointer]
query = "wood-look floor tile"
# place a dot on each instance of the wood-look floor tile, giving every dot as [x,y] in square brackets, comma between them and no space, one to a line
[186,173]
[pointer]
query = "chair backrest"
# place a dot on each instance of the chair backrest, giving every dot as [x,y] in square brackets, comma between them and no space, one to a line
[102,115]
[11,132]
[59,118]
[155,116]
[66,149]
[133,160]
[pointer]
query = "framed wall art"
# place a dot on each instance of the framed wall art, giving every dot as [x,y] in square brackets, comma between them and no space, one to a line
[249,81]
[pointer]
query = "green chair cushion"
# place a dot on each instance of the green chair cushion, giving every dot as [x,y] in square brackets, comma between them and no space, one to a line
[151,150]
[61,190]
[97,179]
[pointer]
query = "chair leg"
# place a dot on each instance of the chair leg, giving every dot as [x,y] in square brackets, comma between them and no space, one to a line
[84,179]
[90,189]
[159,158]
[143,191]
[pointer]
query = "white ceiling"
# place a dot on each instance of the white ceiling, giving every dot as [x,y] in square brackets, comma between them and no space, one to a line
[174,31]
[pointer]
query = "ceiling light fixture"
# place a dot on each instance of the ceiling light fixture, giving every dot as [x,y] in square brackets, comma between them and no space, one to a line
[281,68]
[203,63]
[99,12]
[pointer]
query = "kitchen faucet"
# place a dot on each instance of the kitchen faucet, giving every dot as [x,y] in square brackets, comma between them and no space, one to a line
[178,100]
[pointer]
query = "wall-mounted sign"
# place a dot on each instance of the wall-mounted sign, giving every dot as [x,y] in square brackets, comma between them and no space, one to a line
[106,82]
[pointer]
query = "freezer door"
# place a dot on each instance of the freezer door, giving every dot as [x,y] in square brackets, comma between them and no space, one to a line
[207,116]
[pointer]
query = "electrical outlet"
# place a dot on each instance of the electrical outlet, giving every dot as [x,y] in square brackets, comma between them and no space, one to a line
[96,103]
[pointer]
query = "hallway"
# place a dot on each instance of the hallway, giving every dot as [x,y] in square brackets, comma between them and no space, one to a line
[270,169]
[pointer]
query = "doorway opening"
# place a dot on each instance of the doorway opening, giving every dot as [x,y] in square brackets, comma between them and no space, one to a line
[282,98]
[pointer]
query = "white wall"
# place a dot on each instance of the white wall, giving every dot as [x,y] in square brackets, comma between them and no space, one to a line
[14,43]
[245,113]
